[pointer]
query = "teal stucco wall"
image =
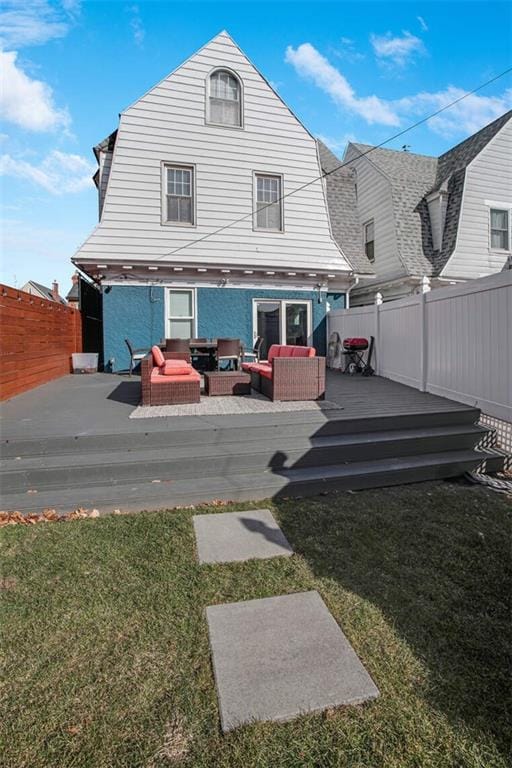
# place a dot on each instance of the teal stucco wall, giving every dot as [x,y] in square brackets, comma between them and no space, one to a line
[137,313]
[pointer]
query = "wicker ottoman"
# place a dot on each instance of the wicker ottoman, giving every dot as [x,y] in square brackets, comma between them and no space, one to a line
[227,383]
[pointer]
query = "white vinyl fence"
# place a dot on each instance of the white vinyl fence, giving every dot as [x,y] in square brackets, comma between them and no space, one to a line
[455,341]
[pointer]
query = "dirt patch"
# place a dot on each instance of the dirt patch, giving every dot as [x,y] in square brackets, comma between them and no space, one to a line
[175,744]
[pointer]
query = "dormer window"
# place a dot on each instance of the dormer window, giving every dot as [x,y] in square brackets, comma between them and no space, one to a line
[224,99]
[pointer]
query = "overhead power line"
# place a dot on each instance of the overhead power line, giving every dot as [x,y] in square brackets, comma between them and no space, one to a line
[337,168]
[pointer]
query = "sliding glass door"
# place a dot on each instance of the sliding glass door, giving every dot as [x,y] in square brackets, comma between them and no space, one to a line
[282,321]
[296,325]
[268,324]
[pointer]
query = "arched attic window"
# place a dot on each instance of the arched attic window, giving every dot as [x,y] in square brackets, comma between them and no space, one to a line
[225,98]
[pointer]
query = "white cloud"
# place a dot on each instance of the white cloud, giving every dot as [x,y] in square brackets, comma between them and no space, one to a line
[464,118]
[32,22]
[310,64]
[26,102]
[348,51]
[397,51]
[139,33]
[58,173]
[423,23]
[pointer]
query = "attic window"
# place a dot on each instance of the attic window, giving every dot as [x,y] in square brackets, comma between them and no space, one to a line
[369,240]
[224,99]
[500,229]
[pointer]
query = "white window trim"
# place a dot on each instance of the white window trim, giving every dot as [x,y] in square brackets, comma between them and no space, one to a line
[255,175]
[163,194]
[282,322]
[495,206]
[365,225]
[207,99]
[167,308]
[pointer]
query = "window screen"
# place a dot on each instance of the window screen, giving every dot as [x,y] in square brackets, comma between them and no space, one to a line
[181,314]
[500,229]
[268,202]
[225,99]
[179,195]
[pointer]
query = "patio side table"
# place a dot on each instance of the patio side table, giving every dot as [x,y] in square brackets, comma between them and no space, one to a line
[227,383]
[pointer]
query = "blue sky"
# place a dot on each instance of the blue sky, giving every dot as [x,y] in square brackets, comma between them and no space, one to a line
[351,71]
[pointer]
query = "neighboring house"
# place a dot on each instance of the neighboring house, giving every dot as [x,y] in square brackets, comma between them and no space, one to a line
[447,219]
[343,210]
[73,295]
[195,238]
[50,294]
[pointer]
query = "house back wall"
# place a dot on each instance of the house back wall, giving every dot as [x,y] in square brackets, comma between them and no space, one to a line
[138,313]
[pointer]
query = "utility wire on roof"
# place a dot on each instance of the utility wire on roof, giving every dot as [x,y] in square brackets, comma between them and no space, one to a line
[337,168]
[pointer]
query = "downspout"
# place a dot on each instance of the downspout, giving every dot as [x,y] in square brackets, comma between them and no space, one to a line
[347,292]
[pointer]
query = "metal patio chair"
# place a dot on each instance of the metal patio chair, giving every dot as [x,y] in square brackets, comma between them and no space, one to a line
[254,356]
[136,355]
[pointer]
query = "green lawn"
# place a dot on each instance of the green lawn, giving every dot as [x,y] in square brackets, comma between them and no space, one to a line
[106,647]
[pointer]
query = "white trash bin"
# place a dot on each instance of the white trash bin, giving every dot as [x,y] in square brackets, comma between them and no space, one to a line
[85,362]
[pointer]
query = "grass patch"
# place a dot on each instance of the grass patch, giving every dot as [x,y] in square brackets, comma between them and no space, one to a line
[106,650]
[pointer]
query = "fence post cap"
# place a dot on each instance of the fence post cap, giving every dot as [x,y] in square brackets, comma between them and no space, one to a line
[425,284]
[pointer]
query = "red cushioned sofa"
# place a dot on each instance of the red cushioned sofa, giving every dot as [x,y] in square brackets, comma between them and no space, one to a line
[290,373]
[168,379]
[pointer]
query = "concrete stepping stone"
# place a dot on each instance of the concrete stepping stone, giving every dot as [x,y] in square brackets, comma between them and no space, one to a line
[280,657]
[233,536]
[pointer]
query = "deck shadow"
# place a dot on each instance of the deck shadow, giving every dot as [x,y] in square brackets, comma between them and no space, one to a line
[127,392]
[438,567]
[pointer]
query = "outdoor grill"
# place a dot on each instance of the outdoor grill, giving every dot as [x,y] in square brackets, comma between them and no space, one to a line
[353,349]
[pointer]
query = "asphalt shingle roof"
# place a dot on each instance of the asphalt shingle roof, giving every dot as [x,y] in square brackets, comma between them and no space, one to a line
[342,204]
[461,155]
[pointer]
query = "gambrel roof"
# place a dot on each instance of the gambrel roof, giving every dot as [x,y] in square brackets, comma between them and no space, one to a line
[413,178]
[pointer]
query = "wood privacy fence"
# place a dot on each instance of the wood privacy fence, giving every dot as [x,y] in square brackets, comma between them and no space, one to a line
[455,342]
[37,338]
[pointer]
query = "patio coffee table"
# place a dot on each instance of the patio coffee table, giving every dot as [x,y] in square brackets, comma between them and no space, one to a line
[227,383]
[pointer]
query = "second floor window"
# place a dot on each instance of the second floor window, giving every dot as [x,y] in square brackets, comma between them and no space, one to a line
[269,210]
[179,195]
[500,229]
[369,240]
[225,107]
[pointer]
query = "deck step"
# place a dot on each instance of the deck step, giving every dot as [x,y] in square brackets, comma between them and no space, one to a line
[209,460]
[254,486]
[223,430]
[494,460]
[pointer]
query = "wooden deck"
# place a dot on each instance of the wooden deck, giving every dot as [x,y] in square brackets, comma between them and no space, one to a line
[101,403]
[73,442]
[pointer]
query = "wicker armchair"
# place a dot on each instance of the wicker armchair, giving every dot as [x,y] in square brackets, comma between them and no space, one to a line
[171,390]
[295,378]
